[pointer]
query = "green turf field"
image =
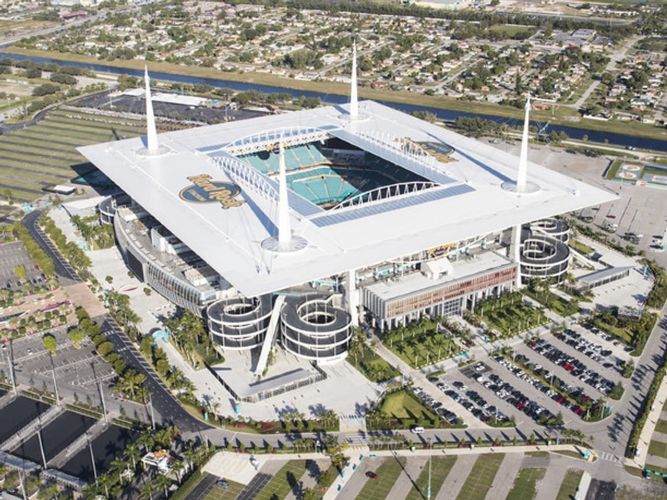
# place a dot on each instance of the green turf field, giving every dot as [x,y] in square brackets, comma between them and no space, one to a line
[44,154]
[524,487]
[481,477]
[387,474]
[440,468]
[569,485]
[283,481]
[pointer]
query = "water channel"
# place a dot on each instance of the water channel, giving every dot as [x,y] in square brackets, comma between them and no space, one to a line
[443,114]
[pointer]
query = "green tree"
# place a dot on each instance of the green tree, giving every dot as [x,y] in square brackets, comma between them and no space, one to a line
[50,344]
[76,336]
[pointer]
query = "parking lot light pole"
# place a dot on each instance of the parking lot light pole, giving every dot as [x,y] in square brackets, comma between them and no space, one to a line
[10,367]
[428,492]
[55,383]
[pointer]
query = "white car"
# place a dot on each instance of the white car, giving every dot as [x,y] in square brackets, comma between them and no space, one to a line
[417,429]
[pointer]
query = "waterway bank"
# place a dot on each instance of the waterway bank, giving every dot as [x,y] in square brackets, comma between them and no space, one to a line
[628,134]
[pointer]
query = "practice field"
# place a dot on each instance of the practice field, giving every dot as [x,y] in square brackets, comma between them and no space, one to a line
[44,154]
[525,484]
[481,477]
[284,481]
[569,485]
[379,488]
[440,468]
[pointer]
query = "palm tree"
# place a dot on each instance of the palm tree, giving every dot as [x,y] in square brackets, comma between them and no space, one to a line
[178,467]
[117,466]
[104,481]
[132,452]
[190,457]
[163,482]
[148,489]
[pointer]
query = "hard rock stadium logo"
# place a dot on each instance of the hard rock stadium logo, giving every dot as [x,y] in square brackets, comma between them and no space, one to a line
[204,190]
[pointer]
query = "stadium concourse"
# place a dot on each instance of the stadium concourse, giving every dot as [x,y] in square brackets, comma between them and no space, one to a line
[295,228]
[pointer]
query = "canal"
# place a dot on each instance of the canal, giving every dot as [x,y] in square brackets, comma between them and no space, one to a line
[56,436]
[18,414]
[106,447]
[443,114]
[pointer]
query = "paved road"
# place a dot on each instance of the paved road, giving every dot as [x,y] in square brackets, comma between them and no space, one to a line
[165,404]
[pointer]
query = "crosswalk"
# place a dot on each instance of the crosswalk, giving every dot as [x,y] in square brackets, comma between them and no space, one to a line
[609,457]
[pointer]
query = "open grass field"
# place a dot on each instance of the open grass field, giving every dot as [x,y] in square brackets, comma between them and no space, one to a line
[661,426]
[44,154]
[379,488]
[569,485]
[284,481]
[657,449]
[481,477]
[524,487]
[440,468]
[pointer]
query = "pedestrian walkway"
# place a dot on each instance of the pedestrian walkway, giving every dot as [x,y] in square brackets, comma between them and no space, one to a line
[653,417]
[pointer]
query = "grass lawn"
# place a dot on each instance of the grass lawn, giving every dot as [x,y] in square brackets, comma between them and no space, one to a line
[581,247]
[524,487]
[373,366]
[511,29]
[284,481]
[661,426]
[554,302]
[657,449]
[387,474]
[481,477]
[440,468]
[569,485]
[402,404]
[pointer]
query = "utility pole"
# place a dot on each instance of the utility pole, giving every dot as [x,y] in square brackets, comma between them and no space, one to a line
[99,388]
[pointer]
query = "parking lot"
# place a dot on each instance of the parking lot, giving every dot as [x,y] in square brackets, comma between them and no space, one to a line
[551,380]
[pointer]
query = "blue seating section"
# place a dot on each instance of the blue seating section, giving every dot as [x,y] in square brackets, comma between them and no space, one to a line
[312,176]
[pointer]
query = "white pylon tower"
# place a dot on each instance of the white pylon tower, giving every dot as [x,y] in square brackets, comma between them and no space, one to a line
[285,240]
[152,145]
[522,185]
[354,100]
[523,156]
[284,224]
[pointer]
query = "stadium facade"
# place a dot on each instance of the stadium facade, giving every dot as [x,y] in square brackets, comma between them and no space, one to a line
[294,228]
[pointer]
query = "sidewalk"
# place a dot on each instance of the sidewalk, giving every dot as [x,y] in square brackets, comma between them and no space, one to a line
[649,426]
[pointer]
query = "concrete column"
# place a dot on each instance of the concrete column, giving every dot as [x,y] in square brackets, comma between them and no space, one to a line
[353,297]
[515,250]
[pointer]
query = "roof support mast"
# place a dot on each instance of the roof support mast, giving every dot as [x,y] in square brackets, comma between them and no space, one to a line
[284,224]
[354,101]
[151,131]
[523,157]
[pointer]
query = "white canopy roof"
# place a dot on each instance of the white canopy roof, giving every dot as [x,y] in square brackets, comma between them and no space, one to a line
[471,201]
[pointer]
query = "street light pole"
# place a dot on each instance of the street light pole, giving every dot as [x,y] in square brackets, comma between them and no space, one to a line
[428,492]
[55,383]
[10,366]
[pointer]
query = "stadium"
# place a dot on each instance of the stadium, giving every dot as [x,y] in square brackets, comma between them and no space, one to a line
[295,228]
